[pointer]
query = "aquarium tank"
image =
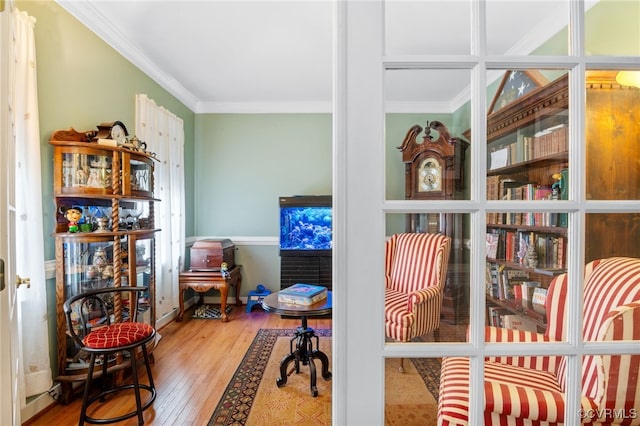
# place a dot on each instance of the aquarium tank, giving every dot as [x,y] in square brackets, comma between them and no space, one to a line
[305,224]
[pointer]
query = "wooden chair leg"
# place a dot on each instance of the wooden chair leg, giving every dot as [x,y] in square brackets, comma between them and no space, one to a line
[401,368]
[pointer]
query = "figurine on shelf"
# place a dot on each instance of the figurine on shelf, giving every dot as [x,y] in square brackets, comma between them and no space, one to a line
[556,187]
[73,215]
[531,258]
[102,220]
[100,258]
[91,272]
[560,184]
[224,270]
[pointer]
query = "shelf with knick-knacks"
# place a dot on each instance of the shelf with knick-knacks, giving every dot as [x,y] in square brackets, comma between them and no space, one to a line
[86,168]
[104,234]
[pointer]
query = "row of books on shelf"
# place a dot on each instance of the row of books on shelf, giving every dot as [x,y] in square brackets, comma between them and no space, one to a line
[542,219]
[545,143]
[503,283]
[546,251]
[500,317]
[503,188]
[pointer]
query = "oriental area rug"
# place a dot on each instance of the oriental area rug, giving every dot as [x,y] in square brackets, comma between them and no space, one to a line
[252,397]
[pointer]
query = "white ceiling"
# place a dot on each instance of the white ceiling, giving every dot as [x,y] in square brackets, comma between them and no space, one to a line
[276,56]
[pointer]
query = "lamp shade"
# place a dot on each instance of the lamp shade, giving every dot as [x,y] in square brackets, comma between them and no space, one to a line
[628,78]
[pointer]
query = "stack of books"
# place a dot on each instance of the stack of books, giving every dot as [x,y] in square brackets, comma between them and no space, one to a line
[302,294]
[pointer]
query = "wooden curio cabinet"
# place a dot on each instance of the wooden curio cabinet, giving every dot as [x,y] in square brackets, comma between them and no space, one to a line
[111,245]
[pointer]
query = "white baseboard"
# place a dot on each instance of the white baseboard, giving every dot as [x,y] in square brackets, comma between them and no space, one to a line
[39,403]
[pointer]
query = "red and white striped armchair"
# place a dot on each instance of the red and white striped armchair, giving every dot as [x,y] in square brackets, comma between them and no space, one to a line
[415,274]
[531,390]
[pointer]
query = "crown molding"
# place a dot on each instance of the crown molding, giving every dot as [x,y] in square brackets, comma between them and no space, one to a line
[87,14]
[95,21]
[264,107]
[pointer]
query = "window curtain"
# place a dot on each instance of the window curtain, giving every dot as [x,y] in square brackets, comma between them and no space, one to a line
[33,326]
[163,133]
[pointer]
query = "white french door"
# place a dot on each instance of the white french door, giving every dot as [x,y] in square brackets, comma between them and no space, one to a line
[9,359]
[361,206]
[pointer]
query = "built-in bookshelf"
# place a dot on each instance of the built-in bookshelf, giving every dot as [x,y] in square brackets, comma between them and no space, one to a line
[527,154]
[528,159]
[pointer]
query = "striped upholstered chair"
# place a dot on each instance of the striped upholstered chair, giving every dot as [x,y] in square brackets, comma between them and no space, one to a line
[531,390]
[415,274]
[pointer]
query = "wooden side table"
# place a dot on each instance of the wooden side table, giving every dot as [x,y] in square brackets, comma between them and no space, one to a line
[304,352]
[203,281]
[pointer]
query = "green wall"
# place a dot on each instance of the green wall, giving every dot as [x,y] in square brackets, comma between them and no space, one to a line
[246,161]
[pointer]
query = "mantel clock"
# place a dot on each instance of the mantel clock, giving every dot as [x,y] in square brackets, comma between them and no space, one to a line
[114,130]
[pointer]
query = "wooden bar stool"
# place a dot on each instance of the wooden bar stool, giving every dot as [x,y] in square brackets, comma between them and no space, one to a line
[93,326]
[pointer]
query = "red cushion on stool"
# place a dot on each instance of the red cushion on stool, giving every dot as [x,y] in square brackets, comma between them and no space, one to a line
[116,335]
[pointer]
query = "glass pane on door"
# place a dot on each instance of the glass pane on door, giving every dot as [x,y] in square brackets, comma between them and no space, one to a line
[530,27]
[411,395]
[427,154]
[423,302]
[612,134]
[525,279]
[427,27]
[612,27]
[612,234]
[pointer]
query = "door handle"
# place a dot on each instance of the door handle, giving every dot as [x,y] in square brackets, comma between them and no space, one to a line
[1,274]
[20,281]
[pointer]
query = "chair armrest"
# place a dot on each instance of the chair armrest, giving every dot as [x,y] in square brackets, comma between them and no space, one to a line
[620,323]
[616,373]
[387,281]
[423,295]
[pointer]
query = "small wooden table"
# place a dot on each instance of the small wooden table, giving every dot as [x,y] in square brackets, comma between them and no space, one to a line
[304,351]
[203,281]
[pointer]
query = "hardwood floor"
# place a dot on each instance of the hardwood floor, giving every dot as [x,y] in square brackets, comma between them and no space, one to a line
[194,361]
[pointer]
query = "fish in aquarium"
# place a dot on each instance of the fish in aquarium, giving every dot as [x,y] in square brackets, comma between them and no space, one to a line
[305,228]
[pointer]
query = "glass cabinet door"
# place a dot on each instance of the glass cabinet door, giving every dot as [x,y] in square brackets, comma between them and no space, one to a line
[138,271]
[137,175]
[83,170]
[87,266]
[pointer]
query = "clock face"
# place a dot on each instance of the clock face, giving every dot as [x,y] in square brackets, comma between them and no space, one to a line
[429,175]
[118,134]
